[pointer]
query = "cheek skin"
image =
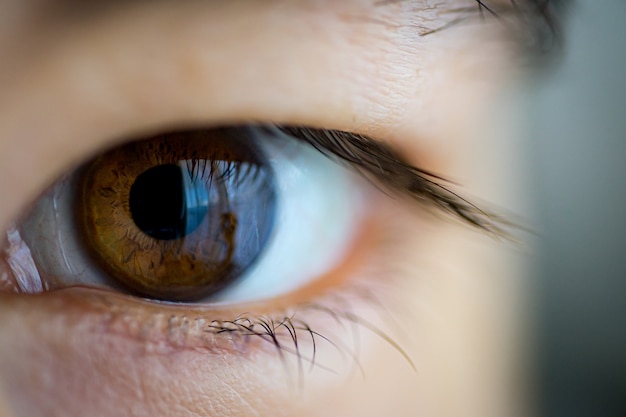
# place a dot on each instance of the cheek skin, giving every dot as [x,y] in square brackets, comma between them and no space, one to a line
[449,306]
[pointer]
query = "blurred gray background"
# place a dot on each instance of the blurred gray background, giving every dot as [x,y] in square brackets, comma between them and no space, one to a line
[578,151]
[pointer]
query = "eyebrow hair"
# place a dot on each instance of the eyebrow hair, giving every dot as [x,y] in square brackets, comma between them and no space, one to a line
[380,163]
[533,23]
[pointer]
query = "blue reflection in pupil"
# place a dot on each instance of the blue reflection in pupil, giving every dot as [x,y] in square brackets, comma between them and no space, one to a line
[166,203]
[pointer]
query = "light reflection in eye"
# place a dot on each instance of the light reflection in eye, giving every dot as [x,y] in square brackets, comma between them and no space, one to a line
[318,211]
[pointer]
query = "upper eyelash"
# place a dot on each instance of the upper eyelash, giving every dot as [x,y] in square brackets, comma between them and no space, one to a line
[378,162]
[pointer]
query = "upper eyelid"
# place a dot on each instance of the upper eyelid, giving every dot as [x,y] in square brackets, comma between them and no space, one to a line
[427,185]
[140,97]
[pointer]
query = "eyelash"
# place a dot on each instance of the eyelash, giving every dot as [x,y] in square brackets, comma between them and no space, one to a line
[382,165]
[273,329]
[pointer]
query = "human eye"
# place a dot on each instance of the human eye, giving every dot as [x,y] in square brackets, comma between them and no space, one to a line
[134,72]
[188,215]
[228,214]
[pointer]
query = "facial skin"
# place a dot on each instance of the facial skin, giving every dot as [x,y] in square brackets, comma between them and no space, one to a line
[81,80]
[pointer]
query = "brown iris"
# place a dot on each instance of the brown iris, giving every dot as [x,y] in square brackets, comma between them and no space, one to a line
[178,216]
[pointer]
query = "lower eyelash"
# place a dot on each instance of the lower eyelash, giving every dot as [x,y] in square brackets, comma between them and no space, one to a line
[284,332]
[290,331]
[293,333]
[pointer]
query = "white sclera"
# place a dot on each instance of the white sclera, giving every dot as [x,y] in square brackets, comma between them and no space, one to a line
[319,209]
[318,212]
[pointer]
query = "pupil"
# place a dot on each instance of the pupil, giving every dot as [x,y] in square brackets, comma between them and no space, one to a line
[166,204]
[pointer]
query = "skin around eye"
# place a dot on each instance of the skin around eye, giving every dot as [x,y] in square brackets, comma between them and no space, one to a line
[421,291]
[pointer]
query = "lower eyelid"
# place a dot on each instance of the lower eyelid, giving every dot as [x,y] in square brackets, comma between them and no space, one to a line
[151,321]
[125,343]
[169,349]
[136,329]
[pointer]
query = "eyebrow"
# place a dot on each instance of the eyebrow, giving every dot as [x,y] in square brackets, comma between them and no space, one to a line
[534,23]
[380,163]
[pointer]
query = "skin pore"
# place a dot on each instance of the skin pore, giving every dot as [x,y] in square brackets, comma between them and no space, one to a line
[82,79]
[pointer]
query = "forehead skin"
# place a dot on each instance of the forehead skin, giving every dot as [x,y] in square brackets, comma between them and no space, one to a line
[79,80]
